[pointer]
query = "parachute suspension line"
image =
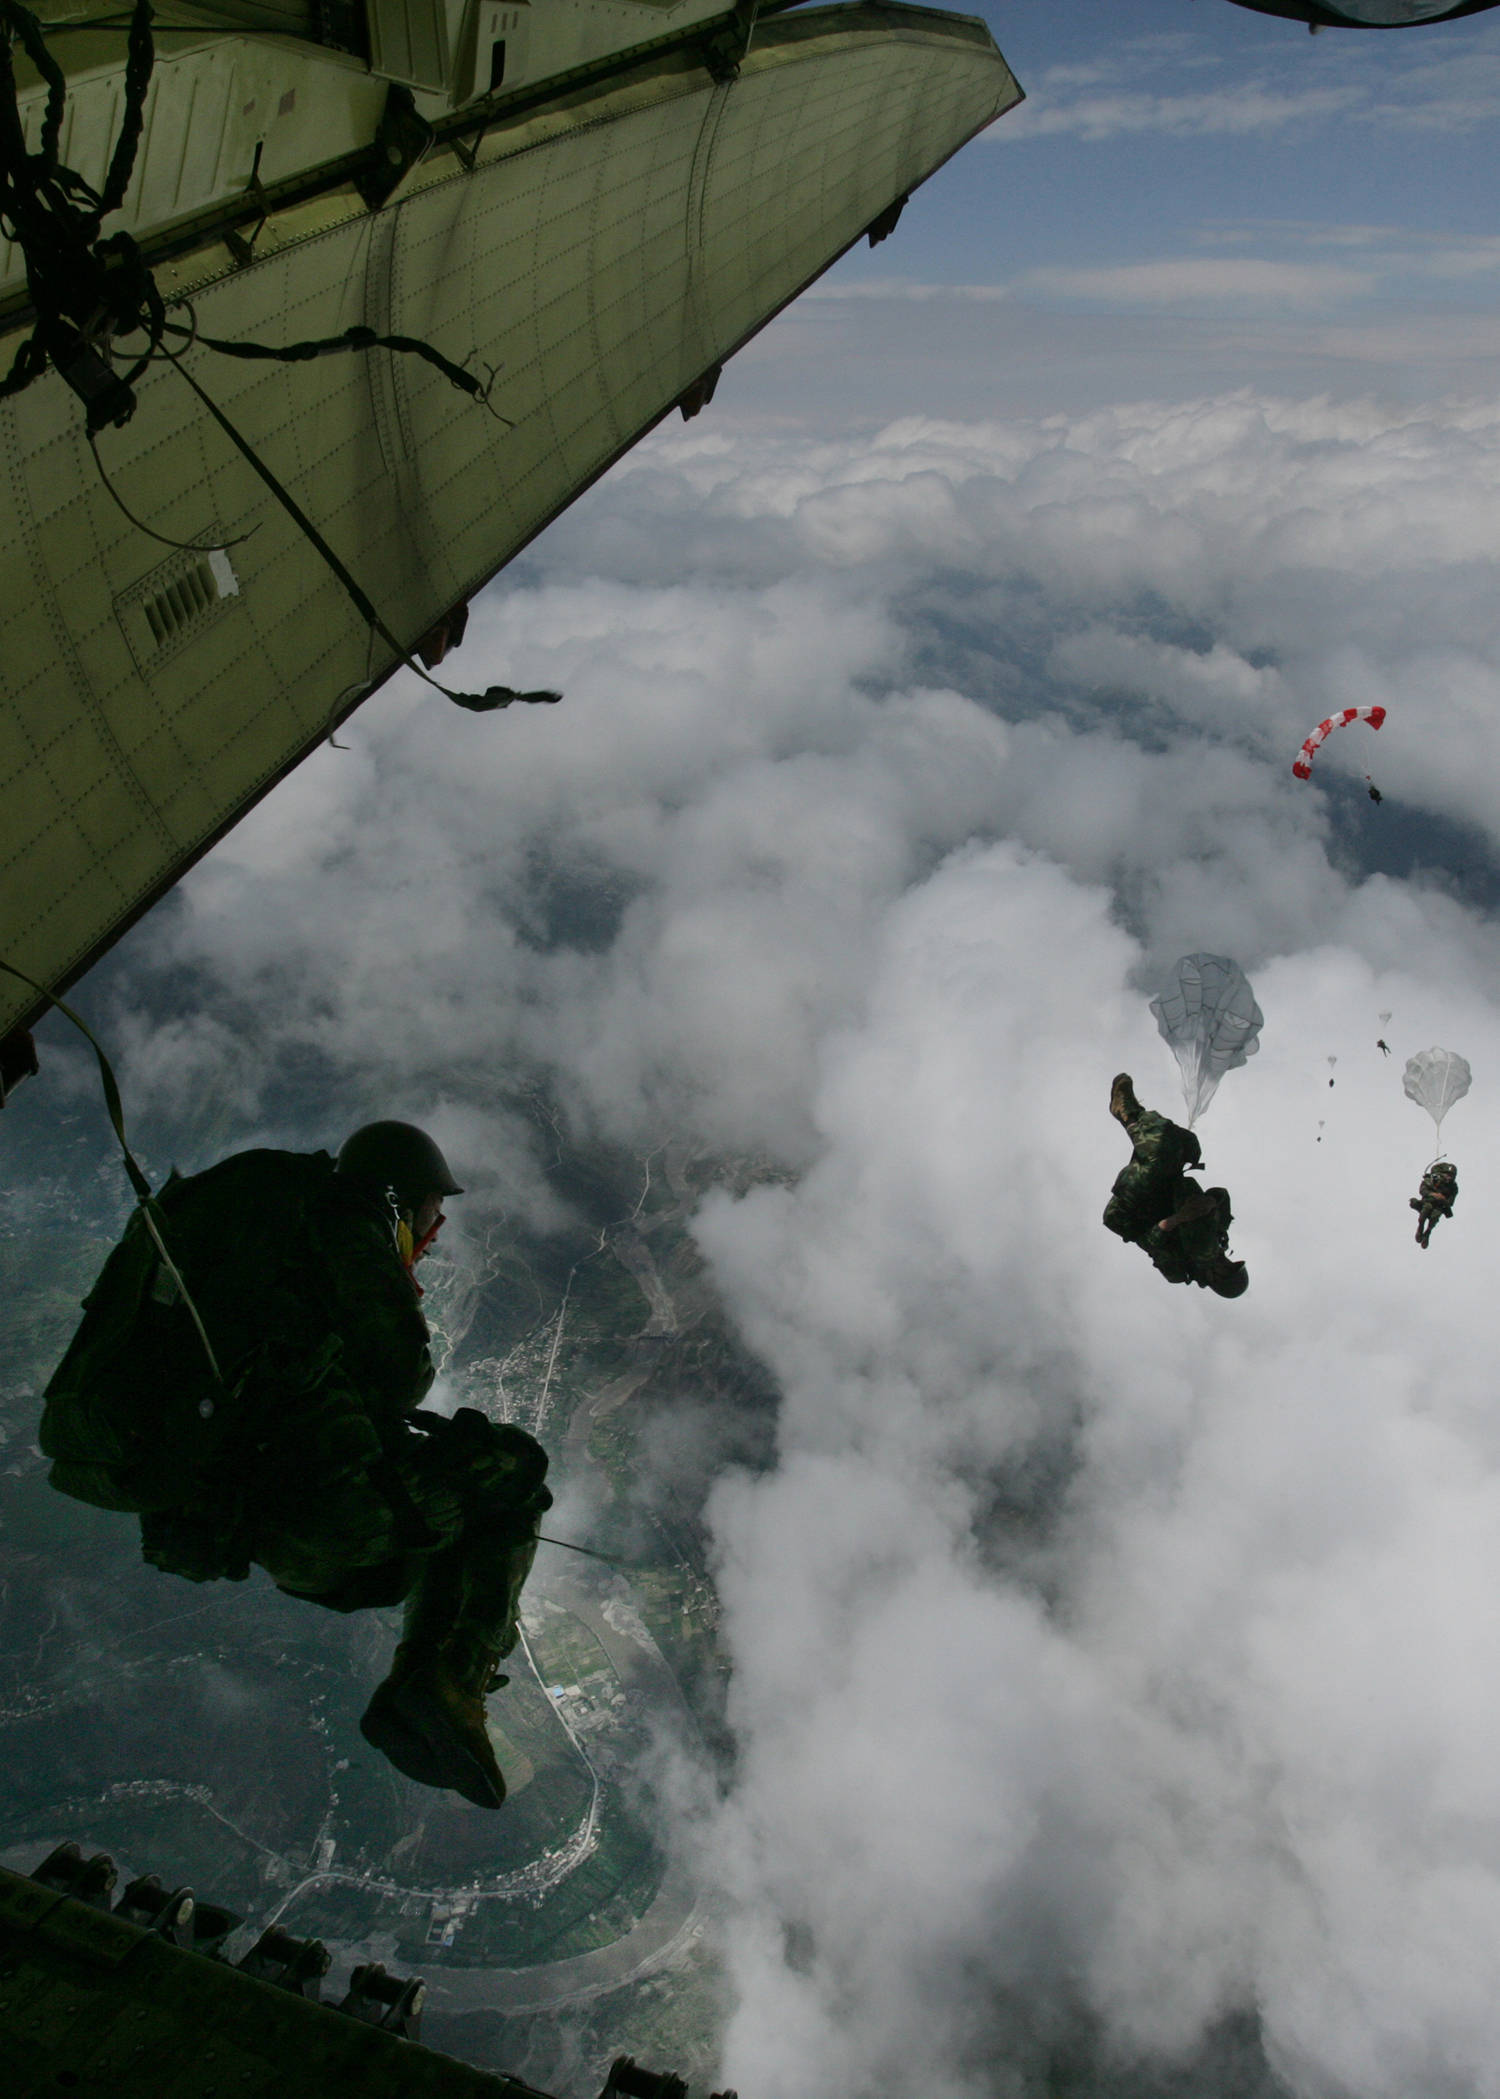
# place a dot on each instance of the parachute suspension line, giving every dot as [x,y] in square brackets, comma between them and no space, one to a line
[145,1200]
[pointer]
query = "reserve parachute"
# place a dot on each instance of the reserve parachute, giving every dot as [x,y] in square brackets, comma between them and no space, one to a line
[1435,1079]
[1209,1019]
[1302,764]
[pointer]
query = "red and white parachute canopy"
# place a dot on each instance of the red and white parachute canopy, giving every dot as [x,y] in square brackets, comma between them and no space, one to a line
[1373,715]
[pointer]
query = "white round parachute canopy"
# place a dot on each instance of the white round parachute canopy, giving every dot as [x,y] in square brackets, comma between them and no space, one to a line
[1435,1079]
[1209,1019]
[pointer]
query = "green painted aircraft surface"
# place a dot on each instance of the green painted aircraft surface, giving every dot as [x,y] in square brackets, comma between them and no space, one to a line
[602,204]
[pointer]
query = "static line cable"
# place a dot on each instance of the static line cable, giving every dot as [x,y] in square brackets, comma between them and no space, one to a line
[610,1559]
[477,703]
[145,1200]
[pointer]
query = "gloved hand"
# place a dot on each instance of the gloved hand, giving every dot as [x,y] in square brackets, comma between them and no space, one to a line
[488,1459]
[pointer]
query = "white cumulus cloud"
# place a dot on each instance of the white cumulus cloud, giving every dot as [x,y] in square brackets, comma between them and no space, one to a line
[1108,1658]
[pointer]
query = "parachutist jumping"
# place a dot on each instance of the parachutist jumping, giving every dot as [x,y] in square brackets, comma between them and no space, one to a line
[1435,1198]
[1155,1205]
[1373,792]
[252,1398]
[1382,1045]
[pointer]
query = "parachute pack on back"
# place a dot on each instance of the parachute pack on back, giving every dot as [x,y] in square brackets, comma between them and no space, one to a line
[133,1413]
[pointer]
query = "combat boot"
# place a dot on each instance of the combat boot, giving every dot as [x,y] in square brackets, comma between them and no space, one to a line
[384,1723]
[1123,1104]
[427,1718]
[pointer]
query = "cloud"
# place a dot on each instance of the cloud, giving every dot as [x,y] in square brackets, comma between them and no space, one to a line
[1457,340]
[1234,111]
[1211,1707]
[1203,280]
[904,288]
[1182,88]
[1265,285]
[1449,92]
[1108,1659]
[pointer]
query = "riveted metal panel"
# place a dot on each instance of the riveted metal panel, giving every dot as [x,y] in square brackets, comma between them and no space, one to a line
[409,41]
[602,254]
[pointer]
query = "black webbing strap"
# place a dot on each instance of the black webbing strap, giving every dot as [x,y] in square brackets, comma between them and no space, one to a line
[356,338]
[478,703]
[138,1179]
[145,1200]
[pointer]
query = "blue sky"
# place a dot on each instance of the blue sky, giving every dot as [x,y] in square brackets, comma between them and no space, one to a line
[1191,195]
[1192,129]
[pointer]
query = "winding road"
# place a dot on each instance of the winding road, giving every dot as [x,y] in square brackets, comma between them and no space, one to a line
[673,1919]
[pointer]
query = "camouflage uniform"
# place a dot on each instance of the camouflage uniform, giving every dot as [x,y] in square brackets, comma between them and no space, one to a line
[303,1458]
[1435,1198]
[1154,1186]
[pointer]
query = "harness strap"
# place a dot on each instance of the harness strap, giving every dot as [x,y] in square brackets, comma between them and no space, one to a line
[145,1200]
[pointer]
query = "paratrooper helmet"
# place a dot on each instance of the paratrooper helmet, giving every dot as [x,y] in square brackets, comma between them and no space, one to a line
[399,1156]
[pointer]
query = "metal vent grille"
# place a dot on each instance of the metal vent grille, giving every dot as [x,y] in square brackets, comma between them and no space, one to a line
[175,602]
[171,609]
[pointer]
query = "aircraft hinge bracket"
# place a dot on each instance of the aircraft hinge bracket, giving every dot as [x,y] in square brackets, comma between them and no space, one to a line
[727,44]
[402,138]
[241,246]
